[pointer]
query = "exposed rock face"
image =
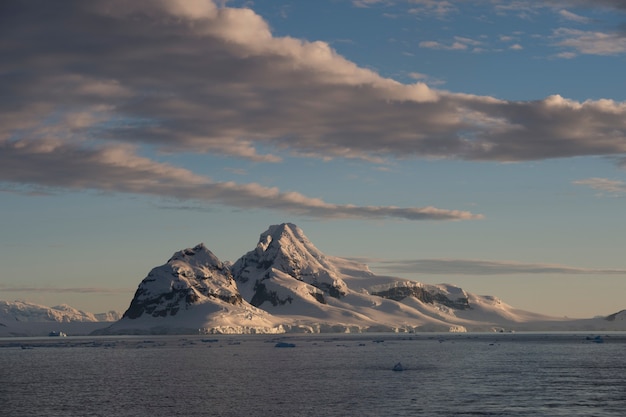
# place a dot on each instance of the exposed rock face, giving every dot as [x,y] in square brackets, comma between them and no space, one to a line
[400,293]
[189,277]
[283,252]
[426,294]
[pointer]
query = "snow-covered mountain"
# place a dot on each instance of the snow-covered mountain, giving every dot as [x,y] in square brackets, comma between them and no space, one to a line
[287,285]
[23,311]
[21,318]
[286,268]
[193,290]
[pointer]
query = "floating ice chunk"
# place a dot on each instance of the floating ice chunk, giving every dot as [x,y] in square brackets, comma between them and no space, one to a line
[284,345]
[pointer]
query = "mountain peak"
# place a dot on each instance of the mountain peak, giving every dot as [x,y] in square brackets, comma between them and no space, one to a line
[286,248]
[284,251]
[282,228]
[191,276]
[284,233]
[198,255]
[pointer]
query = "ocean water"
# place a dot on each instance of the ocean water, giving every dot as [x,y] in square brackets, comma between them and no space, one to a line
[322,375]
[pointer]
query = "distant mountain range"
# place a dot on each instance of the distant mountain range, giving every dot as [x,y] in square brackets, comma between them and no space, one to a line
[287,285]
[20,318]
[28,312]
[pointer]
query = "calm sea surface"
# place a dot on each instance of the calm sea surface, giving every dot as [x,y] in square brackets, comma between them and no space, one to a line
[323,375]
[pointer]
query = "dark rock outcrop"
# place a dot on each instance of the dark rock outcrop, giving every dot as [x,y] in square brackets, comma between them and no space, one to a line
[190,276]
[400,292]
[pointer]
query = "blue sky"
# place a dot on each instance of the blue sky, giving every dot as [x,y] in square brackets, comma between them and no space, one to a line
[478,142]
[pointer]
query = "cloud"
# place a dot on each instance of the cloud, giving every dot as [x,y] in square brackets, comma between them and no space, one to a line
[454,46]
[119,169]
[524,8]
[418,76]
[604,184]
[437,8]
[527,8]
[426,78]
[566,55]
[590,42]
[459,43]
[611,4]
[565,14]
[483,267]
[86,84]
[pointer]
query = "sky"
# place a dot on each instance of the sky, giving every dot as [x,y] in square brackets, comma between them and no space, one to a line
[480,143]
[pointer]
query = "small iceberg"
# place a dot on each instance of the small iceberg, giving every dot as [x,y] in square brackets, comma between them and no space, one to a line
[284,345]
[398,367]
[597,339]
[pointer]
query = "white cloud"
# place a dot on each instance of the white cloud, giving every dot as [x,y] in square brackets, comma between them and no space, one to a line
[119,169]
[459,43]
[604,184]
[611,4]
[418,76]
[437,8]
[522,7]
[566,55]
[467,41]
[529,8]
[590,42]
[426,78]
[454,46]
[565,14]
